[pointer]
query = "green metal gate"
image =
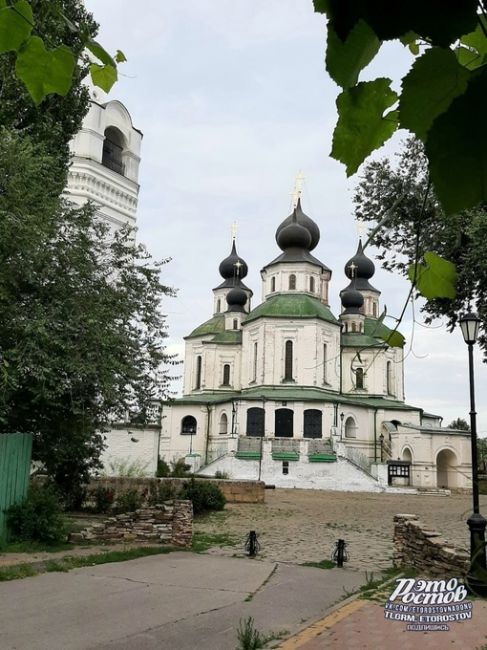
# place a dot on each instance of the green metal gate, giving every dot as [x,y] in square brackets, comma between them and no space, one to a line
[15,456]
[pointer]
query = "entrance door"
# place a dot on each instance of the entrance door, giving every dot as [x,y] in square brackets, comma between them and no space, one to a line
[284,423]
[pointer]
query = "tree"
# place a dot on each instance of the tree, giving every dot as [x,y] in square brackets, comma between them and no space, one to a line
[460,424]
[443,97]
[415,226]
[81,331]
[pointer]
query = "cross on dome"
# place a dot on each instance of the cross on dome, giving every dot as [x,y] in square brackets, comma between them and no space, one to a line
[298,189]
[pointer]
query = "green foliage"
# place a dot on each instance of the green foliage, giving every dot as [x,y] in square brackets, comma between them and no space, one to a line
[127,468]
[163,468]
[249,638]
[50,71]
[404,238]
[204,541]
[221,475]
[204,495]
[103,498]
[323,564]
[39,518]
[461,424]
[436,278]
[164,491]
[128,501]
[443,99]
[78,349]
[180,468]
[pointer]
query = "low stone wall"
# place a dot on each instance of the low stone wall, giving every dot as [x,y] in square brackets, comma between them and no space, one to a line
[417,546]
[234,491]
[170,522]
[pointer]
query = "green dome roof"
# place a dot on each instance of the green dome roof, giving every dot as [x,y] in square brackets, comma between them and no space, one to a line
[215,325]
[292,305]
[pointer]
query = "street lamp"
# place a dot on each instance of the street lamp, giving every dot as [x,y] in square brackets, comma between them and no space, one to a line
[381,440]
[469,324]
[342,415]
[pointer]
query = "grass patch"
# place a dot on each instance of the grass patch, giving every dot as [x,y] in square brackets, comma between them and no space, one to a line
[34,547]
[324,564]
[17,571]
[203,541]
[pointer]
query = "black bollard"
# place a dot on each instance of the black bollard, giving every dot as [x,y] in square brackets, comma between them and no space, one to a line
[252,545]
[340,554]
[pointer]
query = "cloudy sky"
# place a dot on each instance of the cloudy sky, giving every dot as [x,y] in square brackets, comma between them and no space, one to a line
[233,100]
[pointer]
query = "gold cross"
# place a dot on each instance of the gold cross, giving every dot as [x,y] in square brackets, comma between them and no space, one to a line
[360,228]
[298,188]
[352,268]
[238,264]
[234,231]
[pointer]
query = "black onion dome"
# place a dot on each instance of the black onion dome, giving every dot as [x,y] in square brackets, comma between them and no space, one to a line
[303,220]
[360,266]
[228,269]
[236,299]
[352,300]
[294,235]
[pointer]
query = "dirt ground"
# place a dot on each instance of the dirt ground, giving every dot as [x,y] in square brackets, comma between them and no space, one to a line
[303,525]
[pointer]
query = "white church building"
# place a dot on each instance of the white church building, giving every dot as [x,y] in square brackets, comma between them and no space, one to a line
[289,393]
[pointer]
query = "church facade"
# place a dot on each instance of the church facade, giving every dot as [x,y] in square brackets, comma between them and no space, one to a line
[292,394]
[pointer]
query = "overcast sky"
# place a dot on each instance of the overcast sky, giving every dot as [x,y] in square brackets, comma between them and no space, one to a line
[233,100]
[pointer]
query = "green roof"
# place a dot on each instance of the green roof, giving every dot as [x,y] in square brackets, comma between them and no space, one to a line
[292,305]
[372,336]
[293,394]
[215,325]
[228,337]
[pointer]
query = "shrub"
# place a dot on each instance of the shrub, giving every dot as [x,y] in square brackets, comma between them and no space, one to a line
[103,498]
[204,495]
[179,468]
[164,491]
[129,501]
[39,518]
[163,469]
[220,474]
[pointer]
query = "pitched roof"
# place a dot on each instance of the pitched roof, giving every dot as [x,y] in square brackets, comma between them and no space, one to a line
[291,305]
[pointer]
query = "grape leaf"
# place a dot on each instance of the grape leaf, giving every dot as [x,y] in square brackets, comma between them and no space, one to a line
[434,80]
[436,278]
[120,57]
[345,59]
[469,58]
[44,71]
[15,25]
[455,147]
[100,53]
[477,38]
[362,126]
[394,339]
[103,76]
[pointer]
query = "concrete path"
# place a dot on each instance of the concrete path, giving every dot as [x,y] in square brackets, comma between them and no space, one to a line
[179,601]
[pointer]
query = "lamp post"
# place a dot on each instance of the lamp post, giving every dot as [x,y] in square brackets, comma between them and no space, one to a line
[342,415]
[234,418]
[381,440]
[469,324]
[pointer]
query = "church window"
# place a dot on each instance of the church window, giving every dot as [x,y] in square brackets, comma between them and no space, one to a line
[256,349]
[198,373]
[235,324]
[350,428]
[112,156]
[188,425]
[374,309]
[325,359]
[359,378]
[226,375]
[284,426]
[389,378]
[255,421]
[285,467]
[354,329]
[312,423]
[312,285]
[273,284]
[292,281]
[218,306]
[288,361]
[223,424]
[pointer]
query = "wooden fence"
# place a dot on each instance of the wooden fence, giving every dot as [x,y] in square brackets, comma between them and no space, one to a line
[15,456]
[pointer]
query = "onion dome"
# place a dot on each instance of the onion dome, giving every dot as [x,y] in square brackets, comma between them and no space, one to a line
[303,220]
[294,235]
[236,299]
[352,300]
[233,266]
[359,266]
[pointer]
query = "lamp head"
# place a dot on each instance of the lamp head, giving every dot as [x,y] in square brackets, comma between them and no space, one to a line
[469,324]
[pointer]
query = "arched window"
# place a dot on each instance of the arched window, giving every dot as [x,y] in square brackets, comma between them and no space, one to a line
[312,423]
[288,361]
[223,424]
[325,360]
[359,378]
[273,284]
[284,423]
[188,425]
[354,329]
[113,150]
[218,306]
[226,375]
[312,285]
[390,390]
[197,383]
[350,428]
[255,421]
[374,309]
[292,281]
[235,324]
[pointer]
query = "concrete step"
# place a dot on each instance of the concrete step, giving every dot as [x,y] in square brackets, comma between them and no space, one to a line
[434,492]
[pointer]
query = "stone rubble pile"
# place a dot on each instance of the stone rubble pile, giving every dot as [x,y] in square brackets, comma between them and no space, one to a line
[170,522]
[416,545]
